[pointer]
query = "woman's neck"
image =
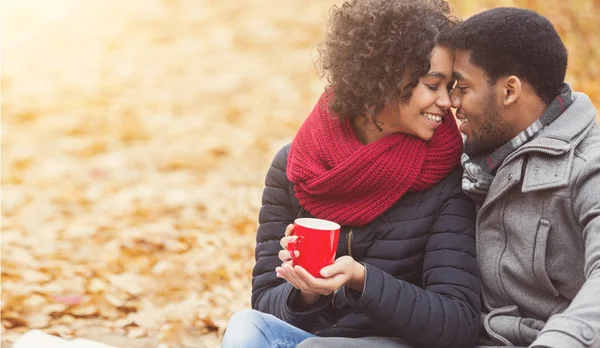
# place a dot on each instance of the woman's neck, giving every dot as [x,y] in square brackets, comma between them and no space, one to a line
[366,132]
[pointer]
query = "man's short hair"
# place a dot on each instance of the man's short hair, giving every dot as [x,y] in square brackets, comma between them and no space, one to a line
[511,41]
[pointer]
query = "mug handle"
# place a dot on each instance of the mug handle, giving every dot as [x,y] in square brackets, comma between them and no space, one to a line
[292,245]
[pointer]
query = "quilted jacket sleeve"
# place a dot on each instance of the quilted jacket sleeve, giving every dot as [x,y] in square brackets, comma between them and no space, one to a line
[271,294]
[445,312]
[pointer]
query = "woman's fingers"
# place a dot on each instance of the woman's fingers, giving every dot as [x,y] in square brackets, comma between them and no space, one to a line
[289,230]
[282,273]
[300,284]
[285,256]
[306,278]
[309,282]
[343,265]
[289,270]
[323,286]
[286,240]
[288,237]
[304,281]
[286,271]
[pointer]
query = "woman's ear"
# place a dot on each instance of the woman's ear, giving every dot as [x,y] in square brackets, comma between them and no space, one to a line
[512,90]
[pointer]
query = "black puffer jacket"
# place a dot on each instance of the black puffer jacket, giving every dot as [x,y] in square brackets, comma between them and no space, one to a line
[422,280]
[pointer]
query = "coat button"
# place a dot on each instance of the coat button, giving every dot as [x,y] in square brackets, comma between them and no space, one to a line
[510,176]
[587,333]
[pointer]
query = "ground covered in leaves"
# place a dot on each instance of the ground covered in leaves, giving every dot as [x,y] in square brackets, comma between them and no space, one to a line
[135,139]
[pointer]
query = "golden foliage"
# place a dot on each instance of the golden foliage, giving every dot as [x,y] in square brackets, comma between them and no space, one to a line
[135,139]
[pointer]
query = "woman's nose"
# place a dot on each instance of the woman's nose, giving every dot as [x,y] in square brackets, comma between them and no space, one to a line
[444,101]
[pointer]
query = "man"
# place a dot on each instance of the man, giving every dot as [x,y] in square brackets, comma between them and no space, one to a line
[532,163]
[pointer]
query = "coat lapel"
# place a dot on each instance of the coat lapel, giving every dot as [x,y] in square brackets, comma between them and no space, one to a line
[506,178]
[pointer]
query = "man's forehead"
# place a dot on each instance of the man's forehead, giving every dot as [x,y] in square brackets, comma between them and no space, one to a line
[463,68]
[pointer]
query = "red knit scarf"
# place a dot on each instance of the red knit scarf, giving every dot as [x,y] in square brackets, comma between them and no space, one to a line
[338,178]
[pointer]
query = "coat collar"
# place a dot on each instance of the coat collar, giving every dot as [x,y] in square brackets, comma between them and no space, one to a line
[550,164]
[566,131]
[551,159]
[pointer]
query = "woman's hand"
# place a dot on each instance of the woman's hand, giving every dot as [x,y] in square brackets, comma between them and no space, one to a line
[284,255]
[308,298]
[344,271]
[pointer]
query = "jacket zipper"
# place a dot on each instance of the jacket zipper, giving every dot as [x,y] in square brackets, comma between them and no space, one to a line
[349,242]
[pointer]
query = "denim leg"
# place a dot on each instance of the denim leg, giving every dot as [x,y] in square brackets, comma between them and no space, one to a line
[344,342]
[251,328]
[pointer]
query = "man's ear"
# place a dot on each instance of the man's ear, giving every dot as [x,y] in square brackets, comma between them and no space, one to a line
[512,90]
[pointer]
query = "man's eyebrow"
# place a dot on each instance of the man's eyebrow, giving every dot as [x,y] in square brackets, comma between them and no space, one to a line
[436,74]
[457,75]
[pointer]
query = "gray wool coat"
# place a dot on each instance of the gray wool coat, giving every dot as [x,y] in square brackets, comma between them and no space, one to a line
[538,238]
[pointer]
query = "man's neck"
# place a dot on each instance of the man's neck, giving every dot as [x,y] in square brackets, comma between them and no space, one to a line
[529,109]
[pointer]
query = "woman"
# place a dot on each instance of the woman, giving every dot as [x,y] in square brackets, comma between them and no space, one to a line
[379,155]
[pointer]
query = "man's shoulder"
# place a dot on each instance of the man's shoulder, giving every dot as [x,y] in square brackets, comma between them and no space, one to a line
[589,148]
[560,172]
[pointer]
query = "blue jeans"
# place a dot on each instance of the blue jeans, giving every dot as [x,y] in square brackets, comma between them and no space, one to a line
[251,328]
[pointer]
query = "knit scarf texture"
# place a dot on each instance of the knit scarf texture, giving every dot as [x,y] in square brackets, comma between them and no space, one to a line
[480,172]
[338,178]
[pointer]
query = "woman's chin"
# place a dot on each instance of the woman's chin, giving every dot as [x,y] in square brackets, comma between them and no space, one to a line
[425,136]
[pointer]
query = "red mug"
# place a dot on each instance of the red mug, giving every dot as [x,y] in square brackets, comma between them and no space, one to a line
[316,241]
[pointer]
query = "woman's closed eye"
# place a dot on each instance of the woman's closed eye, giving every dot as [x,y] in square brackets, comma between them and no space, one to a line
[433,87]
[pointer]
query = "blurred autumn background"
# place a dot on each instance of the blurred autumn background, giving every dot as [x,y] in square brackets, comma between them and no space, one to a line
[135,140]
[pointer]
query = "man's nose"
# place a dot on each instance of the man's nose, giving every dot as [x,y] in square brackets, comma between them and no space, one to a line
[455,98]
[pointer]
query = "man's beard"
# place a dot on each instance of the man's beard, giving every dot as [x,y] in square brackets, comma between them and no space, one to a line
[493,133]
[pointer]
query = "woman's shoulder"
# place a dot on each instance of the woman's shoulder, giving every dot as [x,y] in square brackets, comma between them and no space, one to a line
[425,203]
[276,174]
[450,185]
[281,158]
[278,188]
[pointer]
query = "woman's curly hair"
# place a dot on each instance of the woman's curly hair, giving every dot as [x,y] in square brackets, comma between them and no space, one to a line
[372,46]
